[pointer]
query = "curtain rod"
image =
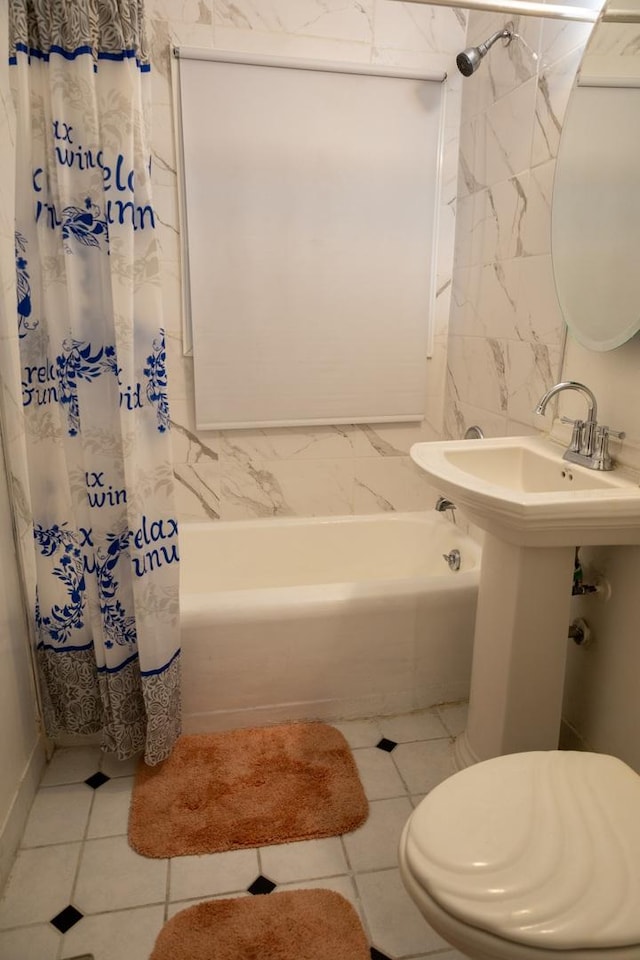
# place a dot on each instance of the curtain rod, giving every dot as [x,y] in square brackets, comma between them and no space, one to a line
[525,8]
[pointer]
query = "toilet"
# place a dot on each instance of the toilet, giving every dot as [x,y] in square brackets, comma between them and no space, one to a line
[530,856]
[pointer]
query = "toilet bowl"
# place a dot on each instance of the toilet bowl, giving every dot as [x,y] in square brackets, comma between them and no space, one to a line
[530,856]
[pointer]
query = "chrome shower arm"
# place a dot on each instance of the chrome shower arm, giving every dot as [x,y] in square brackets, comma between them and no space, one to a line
[498,35]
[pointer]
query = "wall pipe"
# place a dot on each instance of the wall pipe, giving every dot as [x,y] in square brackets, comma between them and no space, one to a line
[524,8]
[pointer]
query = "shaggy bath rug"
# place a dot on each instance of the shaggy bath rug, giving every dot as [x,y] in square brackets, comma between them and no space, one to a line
[246,788]
[295,925]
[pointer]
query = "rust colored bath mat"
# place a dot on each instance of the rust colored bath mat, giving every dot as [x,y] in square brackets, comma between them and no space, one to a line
[246,788]
[295,925]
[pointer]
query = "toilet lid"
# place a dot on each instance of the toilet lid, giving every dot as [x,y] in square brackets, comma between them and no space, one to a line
[539,848]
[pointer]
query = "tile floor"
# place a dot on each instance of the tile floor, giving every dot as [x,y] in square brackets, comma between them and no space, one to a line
[77,887]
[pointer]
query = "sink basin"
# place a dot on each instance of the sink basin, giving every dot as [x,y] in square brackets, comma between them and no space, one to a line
[522,491]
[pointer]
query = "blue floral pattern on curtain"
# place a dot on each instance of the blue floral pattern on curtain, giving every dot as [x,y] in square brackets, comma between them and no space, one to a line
[94,377]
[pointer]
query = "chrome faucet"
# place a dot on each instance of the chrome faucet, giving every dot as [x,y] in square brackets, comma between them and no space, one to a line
[589,445]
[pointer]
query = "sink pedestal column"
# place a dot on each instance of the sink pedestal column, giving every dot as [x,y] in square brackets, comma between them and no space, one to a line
[519,653]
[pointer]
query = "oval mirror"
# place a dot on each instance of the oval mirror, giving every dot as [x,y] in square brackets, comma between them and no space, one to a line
[595,221]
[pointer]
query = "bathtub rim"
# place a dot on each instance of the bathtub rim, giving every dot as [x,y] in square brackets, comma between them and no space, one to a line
[244,603]
[340,519]
[272,602]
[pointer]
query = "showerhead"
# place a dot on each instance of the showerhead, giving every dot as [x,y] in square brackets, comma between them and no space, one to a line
[469,60]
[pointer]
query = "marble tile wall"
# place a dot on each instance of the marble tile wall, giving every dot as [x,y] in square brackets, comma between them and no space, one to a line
[506,329]
[506,333]
[240,474]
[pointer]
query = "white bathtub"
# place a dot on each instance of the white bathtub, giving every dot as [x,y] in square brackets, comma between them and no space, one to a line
[326,618]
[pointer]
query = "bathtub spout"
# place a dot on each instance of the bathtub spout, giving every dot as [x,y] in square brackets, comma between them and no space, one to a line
[443,505]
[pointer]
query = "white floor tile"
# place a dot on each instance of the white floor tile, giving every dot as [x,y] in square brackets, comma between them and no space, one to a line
[378,774]
[71,765]
[30,943]
[422,725]
[123,894]
[447,955]
[180,905]
[58,815]
[442,955]
[113,877]
[212,874]
[396,925]
[305,860]
[124,935]
[359,733]
[425,764]
[341,885]
[454,717]
[374,845]
[118,768]
[39,885]
[110,811]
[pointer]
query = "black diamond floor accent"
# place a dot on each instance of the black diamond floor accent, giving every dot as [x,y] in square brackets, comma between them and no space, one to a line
[261,885]
[97,780]
[387,745]
[376,955]
[66,919]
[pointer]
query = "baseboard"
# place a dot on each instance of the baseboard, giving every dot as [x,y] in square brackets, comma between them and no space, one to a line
[77,740]
[14,824]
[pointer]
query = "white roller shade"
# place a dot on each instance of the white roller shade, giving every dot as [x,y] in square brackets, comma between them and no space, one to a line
[310,198]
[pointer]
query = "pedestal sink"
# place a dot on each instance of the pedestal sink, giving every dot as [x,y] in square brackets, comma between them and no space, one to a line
[535,509]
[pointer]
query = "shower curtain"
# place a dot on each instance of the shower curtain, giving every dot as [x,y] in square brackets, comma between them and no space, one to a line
[94,380]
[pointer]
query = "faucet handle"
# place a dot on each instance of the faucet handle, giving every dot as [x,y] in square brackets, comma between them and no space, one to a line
[602,457]
[608,432]
[576,437]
